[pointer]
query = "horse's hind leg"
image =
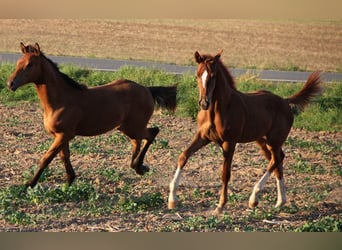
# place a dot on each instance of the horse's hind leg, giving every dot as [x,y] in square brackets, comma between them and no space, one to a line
[275,165]
[139,155]
[65,156]
[264,150]
[278,172]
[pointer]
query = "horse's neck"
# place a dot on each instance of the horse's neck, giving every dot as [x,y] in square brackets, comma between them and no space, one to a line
[223,91]
[51,90]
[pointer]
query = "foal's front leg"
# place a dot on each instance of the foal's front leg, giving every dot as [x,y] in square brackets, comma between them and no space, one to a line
[57,145]
[65,156]
[197,143]
[228,152]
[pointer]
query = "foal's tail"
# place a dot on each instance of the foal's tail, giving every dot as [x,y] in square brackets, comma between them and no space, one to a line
[311,89]
[165,97]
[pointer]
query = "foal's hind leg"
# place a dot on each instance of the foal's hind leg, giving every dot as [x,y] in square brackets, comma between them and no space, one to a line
[275,165]
[138,156]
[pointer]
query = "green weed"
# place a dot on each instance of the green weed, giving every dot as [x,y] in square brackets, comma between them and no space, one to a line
[324,224]
[142,203]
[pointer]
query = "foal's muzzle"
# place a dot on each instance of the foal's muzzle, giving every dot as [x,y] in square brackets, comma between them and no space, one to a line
[204,103]
[11,85]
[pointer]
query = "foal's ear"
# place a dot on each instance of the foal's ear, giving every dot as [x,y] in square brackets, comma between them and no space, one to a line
[36,49]
[217,57]
[22,47]
[199,59]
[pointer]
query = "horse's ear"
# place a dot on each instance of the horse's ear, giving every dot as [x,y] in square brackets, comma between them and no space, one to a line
[22,47]
[217,57]
[36,49]
[199,59]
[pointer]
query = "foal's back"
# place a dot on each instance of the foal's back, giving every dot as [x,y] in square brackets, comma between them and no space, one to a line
[113,105]
[265,113]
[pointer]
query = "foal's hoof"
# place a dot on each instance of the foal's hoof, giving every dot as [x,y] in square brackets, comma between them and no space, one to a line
[172,204]
[29,184]
[141,170]
[71,179]
[253,204]
[218,211]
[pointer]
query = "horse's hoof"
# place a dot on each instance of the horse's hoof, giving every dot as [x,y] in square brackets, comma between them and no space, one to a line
[71,179]
[280,204]
[172,205]
[141,170]
[253,204]
[29,184]
[218,211]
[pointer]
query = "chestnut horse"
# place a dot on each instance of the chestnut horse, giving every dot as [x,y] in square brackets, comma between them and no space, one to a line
[228,117]
[72,109]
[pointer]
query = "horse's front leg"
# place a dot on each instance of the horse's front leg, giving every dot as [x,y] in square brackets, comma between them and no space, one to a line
[228,152]
[65,156]
[197,143]
[57,145]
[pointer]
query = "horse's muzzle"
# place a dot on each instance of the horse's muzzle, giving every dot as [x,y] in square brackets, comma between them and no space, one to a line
[11,85]
[204,103]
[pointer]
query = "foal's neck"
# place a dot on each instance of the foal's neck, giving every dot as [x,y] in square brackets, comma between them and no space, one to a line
[51,89]
[224,88]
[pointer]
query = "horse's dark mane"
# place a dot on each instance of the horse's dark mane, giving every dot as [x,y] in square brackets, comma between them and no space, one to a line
[65,77]
[227,74]
[224,70]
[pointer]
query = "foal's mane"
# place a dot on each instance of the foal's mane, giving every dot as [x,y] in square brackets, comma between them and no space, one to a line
[71,82]
[227,74]
[223,68]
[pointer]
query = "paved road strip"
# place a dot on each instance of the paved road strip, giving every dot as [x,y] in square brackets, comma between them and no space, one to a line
[113,65]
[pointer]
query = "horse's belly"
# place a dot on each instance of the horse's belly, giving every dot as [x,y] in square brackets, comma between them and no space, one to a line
[98,123]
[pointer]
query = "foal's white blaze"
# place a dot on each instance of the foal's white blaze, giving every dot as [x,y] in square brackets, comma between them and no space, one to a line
[204,78]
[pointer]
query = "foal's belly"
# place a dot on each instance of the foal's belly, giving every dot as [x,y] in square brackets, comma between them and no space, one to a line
[99,123]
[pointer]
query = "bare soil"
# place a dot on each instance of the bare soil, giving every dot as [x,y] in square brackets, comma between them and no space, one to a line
[313,194]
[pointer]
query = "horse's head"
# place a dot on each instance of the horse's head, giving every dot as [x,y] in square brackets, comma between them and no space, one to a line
[27,69]
[206,77]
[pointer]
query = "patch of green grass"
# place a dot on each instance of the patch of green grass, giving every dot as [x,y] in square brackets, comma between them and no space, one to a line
[325,147]
[323,114]
[324,224]
[200,223]
[304,166]
[145,202]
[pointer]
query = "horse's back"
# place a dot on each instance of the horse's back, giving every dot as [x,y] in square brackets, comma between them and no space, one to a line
[114,104]
[267,112]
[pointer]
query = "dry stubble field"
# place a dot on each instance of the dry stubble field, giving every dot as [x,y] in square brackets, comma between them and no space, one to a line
[246,43]
[312,165]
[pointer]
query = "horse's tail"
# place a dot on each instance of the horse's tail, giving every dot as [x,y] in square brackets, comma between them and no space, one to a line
[165,97]
[311,88]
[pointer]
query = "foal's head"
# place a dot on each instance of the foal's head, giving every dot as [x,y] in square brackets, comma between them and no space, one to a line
[28,67]
[206,77]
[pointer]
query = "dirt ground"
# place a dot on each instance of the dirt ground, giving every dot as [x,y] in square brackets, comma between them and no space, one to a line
[313,194]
